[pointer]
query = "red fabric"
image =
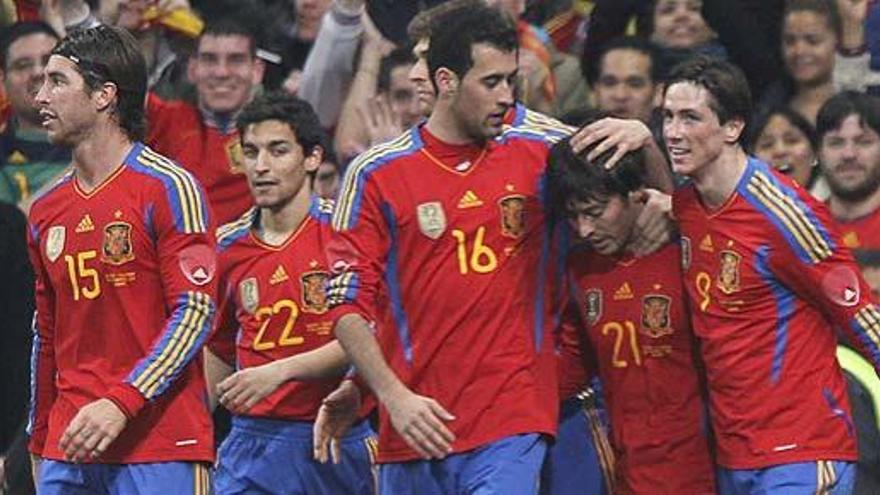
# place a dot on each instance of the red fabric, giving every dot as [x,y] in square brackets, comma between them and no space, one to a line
[861,233]
[461,290]
[116,317]
[637,323]
[768,283]
[263,283]
[176,129]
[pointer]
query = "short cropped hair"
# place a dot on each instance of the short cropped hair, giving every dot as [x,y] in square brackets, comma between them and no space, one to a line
[844,104]
[228,26]
[451,46]
[400,56]
[105,54]
[14,32]
[725,82]
[295,112]
[634,43]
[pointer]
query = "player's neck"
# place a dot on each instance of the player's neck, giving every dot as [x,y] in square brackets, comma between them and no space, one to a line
[717,181]
[100,153]
[442,125]
[277,224]
[844,210]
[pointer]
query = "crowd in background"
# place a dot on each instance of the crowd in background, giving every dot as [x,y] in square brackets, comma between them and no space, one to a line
[354,62]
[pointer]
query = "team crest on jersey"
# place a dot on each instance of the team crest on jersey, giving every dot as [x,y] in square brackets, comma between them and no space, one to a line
[728,275]
[685,252]
[314,292]
[235,156]
[513,215]
[55,242]
[594,306]
[432,219]
[655,315]
[117,243]
[249,294]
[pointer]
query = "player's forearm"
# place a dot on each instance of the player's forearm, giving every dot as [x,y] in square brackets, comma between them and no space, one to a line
[327,361]
[354,334]
[216,370]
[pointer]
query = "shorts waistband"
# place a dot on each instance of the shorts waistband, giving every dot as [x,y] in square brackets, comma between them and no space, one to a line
[291,429]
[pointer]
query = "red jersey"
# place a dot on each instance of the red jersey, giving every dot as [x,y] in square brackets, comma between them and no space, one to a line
[452,257]
[636,323]
[125,299]
[861,233]
[769,281]
[273,305]
[211,152]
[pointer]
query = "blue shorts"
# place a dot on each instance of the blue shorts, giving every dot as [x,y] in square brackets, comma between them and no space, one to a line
[155,478]
[510,466]
[581,460]
[830,477]
[275,457]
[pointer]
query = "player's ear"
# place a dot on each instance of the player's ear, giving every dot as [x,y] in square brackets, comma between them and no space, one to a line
[313,160]
[447,81]
[104,95]
[733,129]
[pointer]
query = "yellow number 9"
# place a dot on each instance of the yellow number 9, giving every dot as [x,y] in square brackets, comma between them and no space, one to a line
[704,283]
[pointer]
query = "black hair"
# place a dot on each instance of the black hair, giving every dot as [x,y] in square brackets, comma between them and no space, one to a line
[763,118]
[570,176]
[453,36]
[295,112]
[14,32]
[725,82]
[400,56]
[105,54]
[846,103]
[593,67]
[229,26]
[825,8]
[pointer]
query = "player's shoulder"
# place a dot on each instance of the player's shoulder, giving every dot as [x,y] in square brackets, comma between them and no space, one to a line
[45,198]
[321,209]
[385,155]
[236,231]
[530,125]
[158,168]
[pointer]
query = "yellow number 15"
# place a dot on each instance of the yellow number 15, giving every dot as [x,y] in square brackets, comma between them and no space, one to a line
[77,269]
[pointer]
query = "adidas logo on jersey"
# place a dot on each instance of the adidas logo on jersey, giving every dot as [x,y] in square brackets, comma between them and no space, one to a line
[623,292]
[85,225]
[469,200]
[706,244]
[279,276]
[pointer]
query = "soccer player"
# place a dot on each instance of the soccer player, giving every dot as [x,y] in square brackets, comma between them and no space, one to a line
[440,239]
[633,316]
[769,281]
[125,289]
[274,323]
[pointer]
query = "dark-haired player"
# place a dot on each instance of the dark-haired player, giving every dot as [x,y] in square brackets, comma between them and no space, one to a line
[125,266]
[274,326]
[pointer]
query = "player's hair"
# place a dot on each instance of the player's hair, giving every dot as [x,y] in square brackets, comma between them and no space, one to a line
[763,118]
[846,103]
[400,56]
[725,83]
[420,26]
[571,176]
[281,106]
[228,26]
[452,42]
[14,32]
[823,8]
[593,67]
[105,54]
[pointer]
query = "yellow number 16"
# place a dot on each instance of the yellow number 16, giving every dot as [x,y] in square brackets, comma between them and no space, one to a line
[482,258]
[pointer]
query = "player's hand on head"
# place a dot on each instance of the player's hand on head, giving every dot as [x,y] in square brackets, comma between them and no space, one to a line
[337,413]
[245,388]
[420,421]
[622,135]
[654,227]
[92,430]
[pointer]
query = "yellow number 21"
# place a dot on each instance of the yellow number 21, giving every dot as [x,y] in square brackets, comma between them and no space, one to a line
[621,331]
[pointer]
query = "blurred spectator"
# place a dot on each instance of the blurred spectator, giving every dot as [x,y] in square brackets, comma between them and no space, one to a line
[27,159]
[625,79]
[848,127]
[67,15]
[857,67]
[784,139]
[328,175]
[201,136]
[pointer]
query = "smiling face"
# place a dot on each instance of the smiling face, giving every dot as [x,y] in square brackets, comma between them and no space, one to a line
[680,24]
[485,93]
[275,164]
[225,72]
[694,136]
[66,107]
[784,146]
[808,47]
[850,158]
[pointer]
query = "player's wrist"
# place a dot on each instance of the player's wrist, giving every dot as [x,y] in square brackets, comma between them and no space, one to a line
[127,398]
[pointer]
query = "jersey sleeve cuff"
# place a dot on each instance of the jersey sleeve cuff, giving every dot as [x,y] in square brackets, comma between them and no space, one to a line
[127,398]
